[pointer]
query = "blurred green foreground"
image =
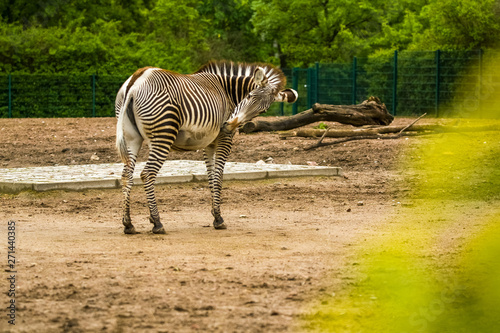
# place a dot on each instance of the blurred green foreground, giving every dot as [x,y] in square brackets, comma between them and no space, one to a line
[436,266]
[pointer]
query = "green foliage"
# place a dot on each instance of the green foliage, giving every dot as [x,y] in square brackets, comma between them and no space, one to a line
[117,36]
[459,25]
[304,32]
[229,32]
[322,126]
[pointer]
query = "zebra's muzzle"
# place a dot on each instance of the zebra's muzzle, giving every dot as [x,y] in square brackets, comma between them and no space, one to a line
[230,126]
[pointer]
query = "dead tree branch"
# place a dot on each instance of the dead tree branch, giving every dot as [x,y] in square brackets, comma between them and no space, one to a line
[370,112]
[320,142]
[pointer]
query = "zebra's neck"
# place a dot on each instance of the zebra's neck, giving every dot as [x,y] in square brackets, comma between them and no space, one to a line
[238,87]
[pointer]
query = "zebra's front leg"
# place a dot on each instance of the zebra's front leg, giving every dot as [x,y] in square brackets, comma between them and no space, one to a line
[216,202]
[209,155]
[222,150]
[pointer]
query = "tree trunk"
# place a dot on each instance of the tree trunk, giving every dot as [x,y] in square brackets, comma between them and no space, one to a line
[370,112]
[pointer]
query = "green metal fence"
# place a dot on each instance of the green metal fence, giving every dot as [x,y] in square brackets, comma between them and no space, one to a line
[23,96]
[409,83]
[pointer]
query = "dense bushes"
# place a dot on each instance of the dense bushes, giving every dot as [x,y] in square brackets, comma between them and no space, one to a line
[117,36]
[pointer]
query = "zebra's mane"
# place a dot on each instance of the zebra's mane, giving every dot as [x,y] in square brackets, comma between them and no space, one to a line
[228,68]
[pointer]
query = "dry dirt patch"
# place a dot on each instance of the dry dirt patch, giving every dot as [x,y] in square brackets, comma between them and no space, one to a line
[288,239]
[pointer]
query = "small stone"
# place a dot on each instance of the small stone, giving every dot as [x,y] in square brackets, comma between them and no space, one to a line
[269,160]
[94,157]
[312,163]
[360,203]
[260,162]
[243,216]
[180,309]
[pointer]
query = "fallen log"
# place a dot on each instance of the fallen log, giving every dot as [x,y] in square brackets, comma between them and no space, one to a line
[370,112]
[320,142]
[343,133]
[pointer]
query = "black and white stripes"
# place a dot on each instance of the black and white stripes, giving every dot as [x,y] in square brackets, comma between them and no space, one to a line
[188,112]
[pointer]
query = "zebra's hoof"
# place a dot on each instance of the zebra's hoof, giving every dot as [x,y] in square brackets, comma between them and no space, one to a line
[219,224]
[159,230]
[130,230]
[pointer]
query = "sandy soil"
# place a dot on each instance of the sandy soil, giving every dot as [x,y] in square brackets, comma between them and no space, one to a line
[287,239]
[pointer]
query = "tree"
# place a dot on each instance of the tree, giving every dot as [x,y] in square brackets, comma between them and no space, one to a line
[118,36]
[304,31]
[230,32]
[459,25]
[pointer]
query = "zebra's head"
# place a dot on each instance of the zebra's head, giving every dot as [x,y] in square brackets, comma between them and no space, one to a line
[258,100]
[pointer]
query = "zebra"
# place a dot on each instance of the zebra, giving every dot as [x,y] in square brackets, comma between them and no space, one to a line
[203,110]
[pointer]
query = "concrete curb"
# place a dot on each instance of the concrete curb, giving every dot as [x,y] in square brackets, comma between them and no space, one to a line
[108,176]
[76,185]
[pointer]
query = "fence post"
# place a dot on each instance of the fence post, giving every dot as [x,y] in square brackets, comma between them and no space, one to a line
[93,95]
[10,96]
[395,83]
[438,74]
[310,87]
[316,95]
[354,87]
[295,86]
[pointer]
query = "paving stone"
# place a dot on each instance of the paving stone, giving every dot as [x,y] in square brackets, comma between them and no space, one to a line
[75,185]
[80,177]
[318,171]
[248,175]
[10,187]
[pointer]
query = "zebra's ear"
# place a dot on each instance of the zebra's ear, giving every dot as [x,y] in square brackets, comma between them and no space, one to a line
[259,77]
[287,95]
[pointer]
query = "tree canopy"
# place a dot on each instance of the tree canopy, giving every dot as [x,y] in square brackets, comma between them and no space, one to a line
[118,36]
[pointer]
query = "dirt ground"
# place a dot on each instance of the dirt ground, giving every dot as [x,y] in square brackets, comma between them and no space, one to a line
[288,240]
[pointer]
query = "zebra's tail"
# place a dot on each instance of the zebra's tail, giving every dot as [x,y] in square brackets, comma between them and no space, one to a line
[121,144]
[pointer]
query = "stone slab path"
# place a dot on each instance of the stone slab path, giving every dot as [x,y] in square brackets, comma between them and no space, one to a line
[81,177]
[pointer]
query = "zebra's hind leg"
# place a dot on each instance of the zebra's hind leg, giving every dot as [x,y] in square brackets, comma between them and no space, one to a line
[148,176]
[128,182]
[158,152]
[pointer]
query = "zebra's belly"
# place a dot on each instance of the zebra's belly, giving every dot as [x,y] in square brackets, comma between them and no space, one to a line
[194,139]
